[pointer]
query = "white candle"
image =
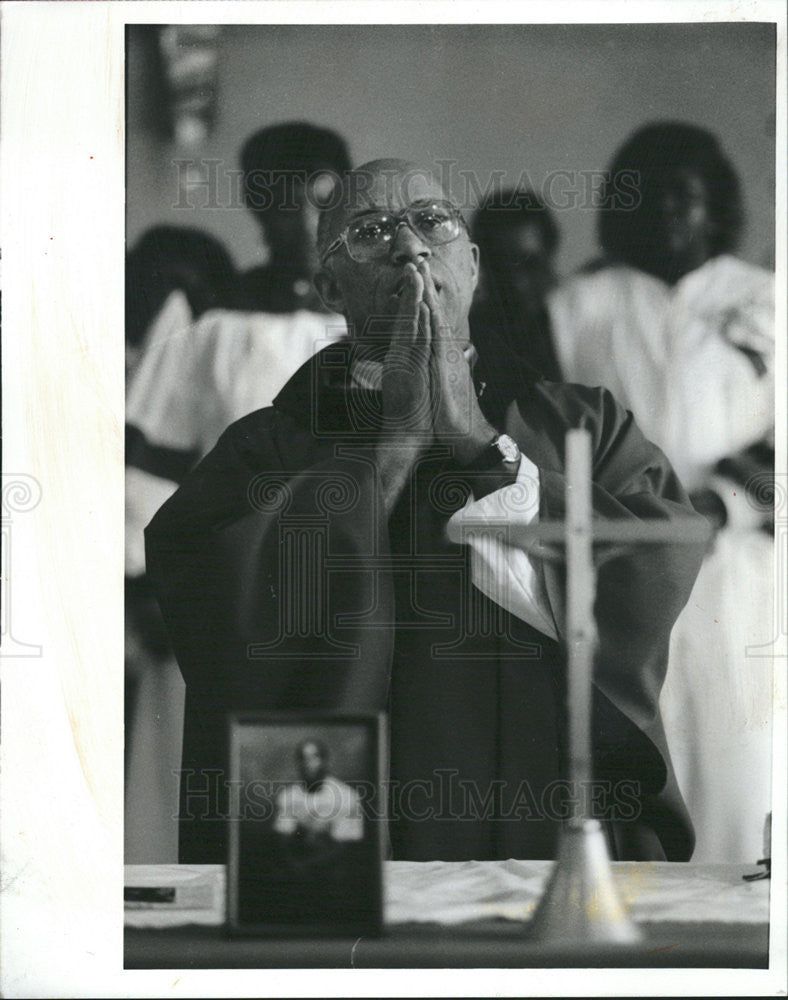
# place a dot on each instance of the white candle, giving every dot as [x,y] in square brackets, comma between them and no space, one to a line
[581,588]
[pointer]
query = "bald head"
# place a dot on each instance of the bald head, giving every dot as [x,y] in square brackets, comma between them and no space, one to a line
[366,291]
[379,184]
[312,759]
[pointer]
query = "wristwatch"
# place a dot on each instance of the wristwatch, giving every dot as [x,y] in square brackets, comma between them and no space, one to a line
[502,448]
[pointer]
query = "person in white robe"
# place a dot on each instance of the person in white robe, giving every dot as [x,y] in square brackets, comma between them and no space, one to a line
[194,378]
[682,332]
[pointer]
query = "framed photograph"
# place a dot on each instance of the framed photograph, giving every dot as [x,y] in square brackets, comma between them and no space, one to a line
[307,824]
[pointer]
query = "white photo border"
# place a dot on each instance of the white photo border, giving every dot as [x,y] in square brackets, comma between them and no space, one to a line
[63,224]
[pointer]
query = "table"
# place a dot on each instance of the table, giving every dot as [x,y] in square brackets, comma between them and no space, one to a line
[466,915]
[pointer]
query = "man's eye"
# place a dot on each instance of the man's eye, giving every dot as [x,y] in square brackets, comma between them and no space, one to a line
[433,220]
[369,231]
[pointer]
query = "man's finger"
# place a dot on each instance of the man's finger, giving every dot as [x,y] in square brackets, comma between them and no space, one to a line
[430,292]
[439,329]
[407,333]
[424,333]
[411,337]
[410,295]
[413,344]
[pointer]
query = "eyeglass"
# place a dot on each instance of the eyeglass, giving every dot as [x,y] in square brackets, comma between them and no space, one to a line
[370,237]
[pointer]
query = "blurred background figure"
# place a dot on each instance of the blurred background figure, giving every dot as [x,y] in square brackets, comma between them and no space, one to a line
[219,347]
[194,383]
[173,275]
[173,264]
[518,239]
[678,328]
[289,172]
[682,332]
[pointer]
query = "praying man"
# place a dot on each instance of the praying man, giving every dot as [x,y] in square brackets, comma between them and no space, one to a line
[348,548]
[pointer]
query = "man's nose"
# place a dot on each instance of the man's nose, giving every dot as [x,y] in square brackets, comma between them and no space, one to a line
[408,247]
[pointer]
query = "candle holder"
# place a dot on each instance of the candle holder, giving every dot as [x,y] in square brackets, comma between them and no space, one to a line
[580,904]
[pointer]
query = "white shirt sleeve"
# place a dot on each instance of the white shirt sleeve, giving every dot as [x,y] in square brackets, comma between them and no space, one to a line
[145,493]
[285,820]
[348,823]
[720,399]
[504,572]
[171,395]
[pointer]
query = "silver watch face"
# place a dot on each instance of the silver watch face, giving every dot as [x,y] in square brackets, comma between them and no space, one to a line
[510,452]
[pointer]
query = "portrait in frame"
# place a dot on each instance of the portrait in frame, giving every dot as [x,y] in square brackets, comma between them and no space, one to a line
[306,825]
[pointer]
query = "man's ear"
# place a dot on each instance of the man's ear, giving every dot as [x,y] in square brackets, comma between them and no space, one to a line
[328,290]
[475,263]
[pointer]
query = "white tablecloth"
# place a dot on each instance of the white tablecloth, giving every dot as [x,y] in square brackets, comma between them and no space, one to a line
[458,892]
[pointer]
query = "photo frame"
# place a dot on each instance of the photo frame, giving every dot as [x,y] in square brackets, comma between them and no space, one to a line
[306,825]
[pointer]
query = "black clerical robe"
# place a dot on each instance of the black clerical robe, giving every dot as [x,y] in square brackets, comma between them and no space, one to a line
[284,585]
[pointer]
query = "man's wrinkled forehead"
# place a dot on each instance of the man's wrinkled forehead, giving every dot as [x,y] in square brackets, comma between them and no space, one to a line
[391,186]
[383,185]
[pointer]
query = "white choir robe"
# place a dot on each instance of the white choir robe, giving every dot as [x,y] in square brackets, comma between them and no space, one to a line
[695,365]
[193,380]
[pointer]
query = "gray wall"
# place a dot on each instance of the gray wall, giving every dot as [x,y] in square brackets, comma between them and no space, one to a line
[493,98]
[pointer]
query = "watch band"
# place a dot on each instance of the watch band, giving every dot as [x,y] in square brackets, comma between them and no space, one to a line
[502,449]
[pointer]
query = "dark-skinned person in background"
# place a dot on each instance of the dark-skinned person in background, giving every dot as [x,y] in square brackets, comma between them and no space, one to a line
[517,238]
[682,332]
